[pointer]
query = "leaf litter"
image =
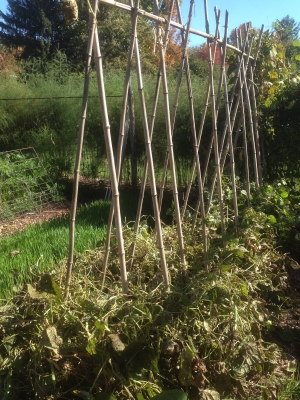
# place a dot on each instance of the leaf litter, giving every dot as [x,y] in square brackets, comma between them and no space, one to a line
[206,337]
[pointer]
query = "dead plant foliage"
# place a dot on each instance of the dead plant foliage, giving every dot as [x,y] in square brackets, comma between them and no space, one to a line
[204,336]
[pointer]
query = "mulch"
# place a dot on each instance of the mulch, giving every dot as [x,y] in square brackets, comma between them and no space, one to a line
[49,211]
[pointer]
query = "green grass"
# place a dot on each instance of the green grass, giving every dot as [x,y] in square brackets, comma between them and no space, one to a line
[44,245]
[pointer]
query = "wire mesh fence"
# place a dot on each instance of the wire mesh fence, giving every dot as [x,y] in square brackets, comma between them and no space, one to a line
[24,183]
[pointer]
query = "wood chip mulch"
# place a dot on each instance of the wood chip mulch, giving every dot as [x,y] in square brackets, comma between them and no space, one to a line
[18,223]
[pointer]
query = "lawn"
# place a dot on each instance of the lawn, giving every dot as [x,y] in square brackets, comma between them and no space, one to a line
[41,247]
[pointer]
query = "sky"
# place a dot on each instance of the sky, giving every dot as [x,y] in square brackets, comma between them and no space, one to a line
[240,11]
[257,11]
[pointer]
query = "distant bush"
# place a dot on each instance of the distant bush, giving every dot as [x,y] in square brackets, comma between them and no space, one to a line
[50,124]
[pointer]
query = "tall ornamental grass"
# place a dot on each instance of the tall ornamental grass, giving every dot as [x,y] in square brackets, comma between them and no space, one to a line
[42,120]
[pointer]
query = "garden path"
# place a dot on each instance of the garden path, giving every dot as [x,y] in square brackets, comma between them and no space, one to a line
[18,223]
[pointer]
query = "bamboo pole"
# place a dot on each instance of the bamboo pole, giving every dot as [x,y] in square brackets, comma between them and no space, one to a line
[163,21]
[225,131]
[194,135]
[145,173]
[243,119]
[175,106]
[252,68]
[255,117]
[214,122]
[203,116]
[223,135]
[169,133]
[229,131]
[220,84]
[111,162]
[210,146]
[237,101]
[92,26]
[150,161]
[120,141]
[146,163]
[250,121]
[255,123]
[132,140]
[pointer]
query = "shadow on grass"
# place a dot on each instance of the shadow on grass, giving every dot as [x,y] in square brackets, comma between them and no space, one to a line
[42,247]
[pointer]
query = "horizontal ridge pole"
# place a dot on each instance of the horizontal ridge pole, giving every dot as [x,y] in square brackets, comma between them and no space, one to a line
[172,23]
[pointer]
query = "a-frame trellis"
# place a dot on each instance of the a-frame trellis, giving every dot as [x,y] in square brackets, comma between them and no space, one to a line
[240,109]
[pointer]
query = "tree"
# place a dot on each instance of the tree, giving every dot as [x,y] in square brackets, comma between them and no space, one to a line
[38,28]
[32,25]
[8,62]
[203,54]
[287,29]
[241,31]
[278,79]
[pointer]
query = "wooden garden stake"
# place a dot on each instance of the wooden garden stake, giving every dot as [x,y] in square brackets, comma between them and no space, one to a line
[229,131]
[223,159]
[185,64]
[150,161]
[211,141]
[175,106]
[255,127]
[145,173]
[210,146]
[241,66]
[146,164]
[255,122]
[196,147]
[250,122]
[214,123]
[243,121]
[203,116]
[256,133]
[254,107]
[120,142]
[132,139]
[111,163]
[169,137]
[92,26]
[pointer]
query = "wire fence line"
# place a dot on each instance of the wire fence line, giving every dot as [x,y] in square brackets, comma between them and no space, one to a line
[50,126]
[25,185]
[54,97]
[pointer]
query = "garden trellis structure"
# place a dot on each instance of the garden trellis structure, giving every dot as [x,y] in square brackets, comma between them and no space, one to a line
[239,104]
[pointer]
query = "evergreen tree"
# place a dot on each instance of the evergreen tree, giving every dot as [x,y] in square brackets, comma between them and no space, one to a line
[37,29]
[32,26]
[288,30]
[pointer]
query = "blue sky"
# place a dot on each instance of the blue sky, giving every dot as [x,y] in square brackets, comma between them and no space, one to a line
[257,11]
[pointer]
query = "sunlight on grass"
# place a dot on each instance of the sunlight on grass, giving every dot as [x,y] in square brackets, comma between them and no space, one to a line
[43,246]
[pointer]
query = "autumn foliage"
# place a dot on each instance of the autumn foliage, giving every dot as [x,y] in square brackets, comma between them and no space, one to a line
[8,61]
[203,54]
